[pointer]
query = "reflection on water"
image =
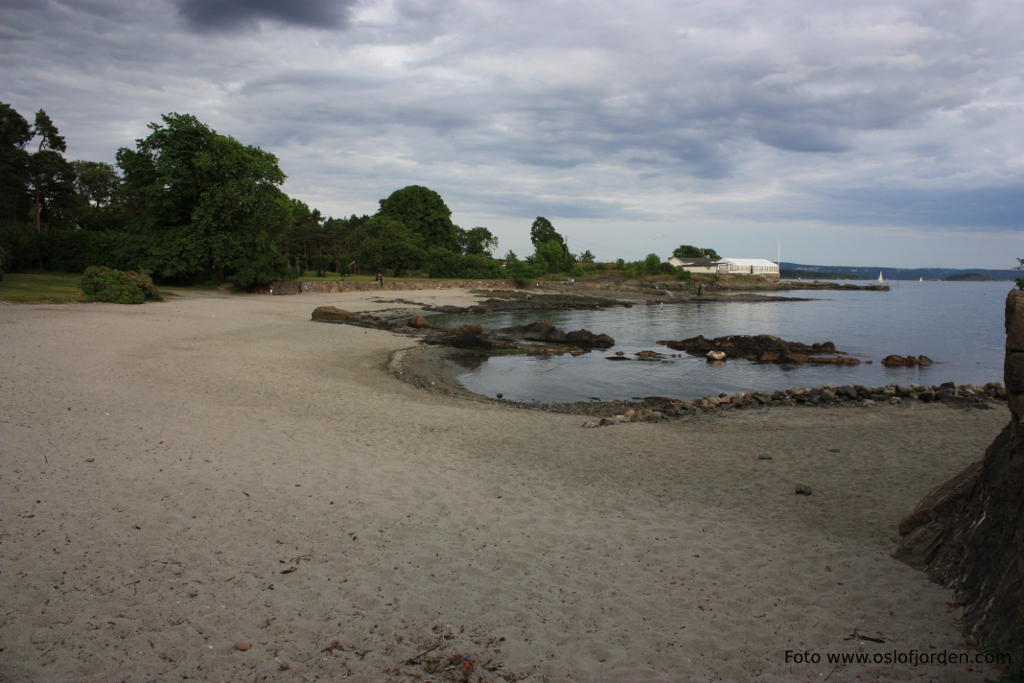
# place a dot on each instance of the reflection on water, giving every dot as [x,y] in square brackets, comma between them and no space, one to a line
[957,324]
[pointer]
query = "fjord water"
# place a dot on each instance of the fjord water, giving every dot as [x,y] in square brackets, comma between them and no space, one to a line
[957,324]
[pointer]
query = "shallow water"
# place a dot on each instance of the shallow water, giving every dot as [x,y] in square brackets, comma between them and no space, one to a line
[959,325]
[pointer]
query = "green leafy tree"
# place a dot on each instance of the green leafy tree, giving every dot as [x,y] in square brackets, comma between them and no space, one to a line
[690,251]
[96,203]
[652,264]
[551,257]
[96,182]
[543,231]
[383,243]
[480,241]
[15,134]
[425,214]
[586,257]
[211,206]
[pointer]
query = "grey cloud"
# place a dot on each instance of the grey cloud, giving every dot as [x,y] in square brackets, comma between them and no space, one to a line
[867,113]
[553,209]
[236,15]
[994,208]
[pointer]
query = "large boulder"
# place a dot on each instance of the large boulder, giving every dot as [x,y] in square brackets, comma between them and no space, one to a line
[545,331]
[764,347]
[468,336]
[968,534]
[332,314]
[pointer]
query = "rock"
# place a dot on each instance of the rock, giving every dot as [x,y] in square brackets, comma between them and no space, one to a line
[546,332]
[716,355]
[968,533]
[588,339]
[756,347]
[243,646]
[469,336]
[803,490]
[896,361]
[418,322]
[331,314]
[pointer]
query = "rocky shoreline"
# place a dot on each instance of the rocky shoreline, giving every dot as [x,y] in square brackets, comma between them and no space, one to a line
[430,369]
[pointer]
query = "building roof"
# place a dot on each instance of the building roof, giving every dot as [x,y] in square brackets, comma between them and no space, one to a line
[749,262]
[687,261]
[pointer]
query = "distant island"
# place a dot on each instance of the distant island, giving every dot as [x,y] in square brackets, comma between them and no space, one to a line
[871,273]
[798,274]
[970,277]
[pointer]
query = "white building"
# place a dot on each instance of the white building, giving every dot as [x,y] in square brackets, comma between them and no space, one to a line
[748,266]
[727,266]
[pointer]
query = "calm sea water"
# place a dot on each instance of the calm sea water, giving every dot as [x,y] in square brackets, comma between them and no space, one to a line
[959,325]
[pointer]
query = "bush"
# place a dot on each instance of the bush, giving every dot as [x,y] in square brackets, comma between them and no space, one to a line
[100,283]
[445,263]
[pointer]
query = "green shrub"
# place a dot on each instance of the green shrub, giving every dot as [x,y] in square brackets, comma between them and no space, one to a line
[100,283]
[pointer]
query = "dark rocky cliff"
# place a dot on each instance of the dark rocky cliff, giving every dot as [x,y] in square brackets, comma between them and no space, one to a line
[968,534]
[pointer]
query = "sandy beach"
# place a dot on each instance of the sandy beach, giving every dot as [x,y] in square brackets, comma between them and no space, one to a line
[216,488]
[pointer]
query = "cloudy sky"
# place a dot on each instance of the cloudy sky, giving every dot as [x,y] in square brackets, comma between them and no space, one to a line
[851,133]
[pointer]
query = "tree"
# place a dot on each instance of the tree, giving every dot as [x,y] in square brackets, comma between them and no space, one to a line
[586,257]
[96,204]
[425,214]
[690,251]
[96,182]
[479,241]
[652,264]
[15,134]
[383,243]
[209,205]
[551,257]
[543,231]
[51,177]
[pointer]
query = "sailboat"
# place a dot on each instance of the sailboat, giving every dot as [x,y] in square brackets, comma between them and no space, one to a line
[880,278]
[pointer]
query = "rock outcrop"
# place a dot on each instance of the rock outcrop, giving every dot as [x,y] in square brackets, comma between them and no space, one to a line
[332,314]
[968,534]
[895,361]
[763,348]
[545,331]
[538,337]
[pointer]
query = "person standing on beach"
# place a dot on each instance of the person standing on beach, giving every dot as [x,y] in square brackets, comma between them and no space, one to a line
[380,279]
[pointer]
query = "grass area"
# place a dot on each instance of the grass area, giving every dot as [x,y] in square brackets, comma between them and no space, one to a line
[41,288]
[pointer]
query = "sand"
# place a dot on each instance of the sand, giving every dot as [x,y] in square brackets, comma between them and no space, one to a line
[216,488]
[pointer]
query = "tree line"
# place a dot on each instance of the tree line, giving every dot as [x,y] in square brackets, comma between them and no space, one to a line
[189,205]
